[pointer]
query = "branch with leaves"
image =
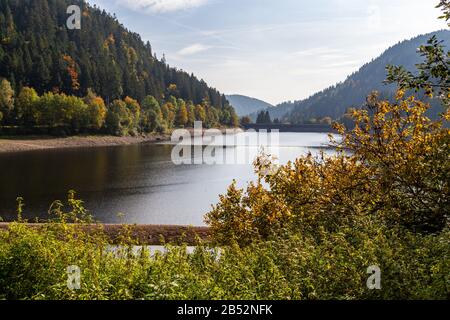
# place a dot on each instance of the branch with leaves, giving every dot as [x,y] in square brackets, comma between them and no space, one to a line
[433,75]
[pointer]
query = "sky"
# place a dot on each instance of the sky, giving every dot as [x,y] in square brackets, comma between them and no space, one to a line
[274,50]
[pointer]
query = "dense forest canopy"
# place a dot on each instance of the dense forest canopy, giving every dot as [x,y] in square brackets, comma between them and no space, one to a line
[27,112]
[99,79]
[38,50]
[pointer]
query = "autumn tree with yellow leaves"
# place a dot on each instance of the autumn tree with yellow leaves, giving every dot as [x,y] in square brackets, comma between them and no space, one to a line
[393,167]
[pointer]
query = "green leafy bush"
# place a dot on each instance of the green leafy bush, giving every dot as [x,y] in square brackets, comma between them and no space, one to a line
[34,261]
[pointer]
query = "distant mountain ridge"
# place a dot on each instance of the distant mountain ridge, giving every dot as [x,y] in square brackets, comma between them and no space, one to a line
[335,100]
[244,105]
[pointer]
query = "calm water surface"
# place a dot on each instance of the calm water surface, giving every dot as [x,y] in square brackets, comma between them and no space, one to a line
[139,181]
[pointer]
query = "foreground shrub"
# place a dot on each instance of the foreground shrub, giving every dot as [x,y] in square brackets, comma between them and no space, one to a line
[33,265]
[382,200]
[394,165]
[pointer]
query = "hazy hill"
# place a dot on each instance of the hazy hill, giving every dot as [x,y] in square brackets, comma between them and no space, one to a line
[334,101]
[38,50]
[246,105]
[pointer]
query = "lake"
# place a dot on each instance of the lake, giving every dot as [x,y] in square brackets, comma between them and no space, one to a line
[139,181]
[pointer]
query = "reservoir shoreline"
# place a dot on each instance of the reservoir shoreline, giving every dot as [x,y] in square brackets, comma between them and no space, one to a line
[30,143]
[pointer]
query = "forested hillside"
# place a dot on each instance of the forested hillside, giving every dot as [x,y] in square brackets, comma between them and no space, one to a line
[334,101]
[99,79]
[39,51]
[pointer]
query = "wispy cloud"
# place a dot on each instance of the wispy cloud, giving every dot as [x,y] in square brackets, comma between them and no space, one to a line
[161,5]
[193,49]
[323,52]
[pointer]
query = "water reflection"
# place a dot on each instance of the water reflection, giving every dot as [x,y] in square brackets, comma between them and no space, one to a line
[140,181]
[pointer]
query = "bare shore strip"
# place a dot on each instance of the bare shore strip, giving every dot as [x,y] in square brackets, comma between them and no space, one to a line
[30,143]
[142,234]
[18,144]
